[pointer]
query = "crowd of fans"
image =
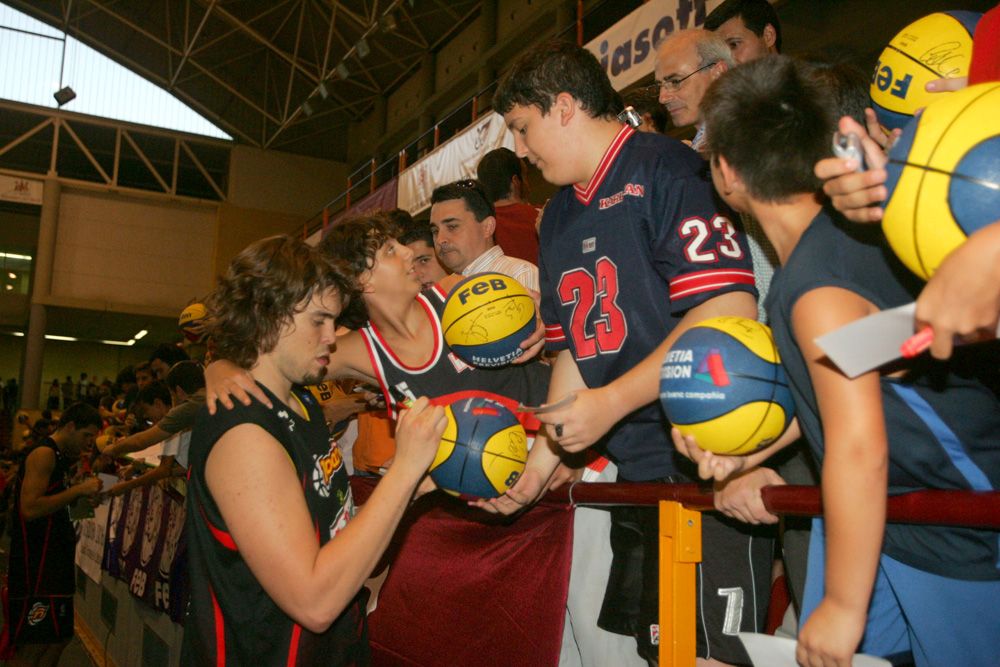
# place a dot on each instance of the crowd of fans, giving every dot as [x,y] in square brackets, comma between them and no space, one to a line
[284,402]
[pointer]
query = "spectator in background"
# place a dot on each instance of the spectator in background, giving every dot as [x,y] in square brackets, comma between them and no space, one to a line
[749,27]
[81,388]
[186,383]
[687,62]
[54,392]
[463,223]
[417,237]
[67,392]
[163,358]
[652,113]
[10,391]
[504,177]
[143,375]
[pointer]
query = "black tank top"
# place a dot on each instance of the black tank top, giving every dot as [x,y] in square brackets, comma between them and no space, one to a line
[231,619]
[42,550]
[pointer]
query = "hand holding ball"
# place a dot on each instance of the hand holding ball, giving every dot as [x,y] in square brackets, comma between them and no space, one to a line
[943,177]
[722,383]
[486,318]
[483,449]
[937,46]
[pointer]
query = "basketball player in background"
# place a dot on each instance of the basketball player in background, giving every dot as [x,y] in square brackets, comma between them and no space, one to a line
[891,590]
[277,563]
[633,250]
[38,613]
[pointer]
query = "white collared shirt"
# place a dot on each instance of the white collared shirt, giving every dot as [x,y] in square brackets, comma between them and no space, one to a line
[494,261]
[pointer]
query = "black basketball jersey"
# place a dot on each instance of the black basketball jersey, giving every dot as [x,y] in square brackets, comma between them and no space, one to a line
[444,378]
[42,550]
[942,418]
[231,619]
[621,261]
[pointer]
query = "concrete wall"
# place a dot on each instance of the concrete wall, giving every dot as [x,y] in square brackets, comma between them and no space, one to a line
[275,181]
[404,102]
[459,56]
[132,632]
[238,227]
[513,15]
[118,253]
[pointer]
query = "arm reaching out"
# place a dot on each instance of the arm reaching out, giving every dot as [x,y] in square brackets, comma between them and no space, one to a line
[265,511]
[595,411]
[962,298]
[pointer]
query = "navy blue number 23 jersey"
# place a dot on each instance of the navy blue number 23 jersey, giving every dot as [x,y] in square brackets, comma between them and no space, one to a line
[622,260]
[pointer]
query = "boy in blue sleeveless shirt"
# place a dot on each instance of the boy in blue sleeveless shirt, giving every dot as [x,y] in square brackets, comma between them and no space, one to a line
[925,593]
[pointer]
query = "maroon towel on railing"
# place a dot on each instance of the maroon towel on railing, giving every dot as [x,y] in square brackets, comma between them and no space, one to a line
[467,589]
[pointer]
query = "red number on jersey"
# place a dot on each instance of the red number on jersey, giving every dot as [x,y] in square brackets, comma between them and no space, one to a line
[699,249]
[581,290]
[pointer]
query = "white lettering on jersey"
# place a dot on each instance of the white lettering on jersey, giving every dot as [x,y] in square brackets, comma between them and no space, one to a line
[631,190]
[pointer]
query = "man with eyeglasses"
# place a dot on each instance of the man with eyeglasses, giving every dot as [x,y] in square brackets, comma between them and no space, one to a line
[463,222]
[687,62]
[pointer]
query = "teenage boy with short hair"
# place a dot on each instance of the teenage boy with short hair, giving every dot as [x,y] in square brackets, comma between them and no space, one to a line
[633,250]
[894,589]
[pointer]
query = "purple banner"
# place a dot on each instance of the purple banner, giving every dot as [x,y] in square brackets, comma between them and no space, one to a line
[383,199]
[147,548]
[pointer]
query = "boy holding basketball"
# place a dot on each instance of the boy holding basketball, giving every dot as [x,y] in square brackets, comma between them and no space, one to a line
[396,340]
[633,250]
[893,589]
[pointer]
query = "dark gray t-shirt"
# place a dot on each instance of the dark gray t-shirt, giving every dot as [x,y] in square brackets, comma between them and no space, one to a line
[181,417]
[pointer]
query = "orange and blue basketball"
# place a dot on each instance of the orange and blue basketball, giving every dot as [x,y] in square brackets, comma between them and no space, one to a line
[937,46]
[483,449]
[486,318]
[943,177]
[722,382]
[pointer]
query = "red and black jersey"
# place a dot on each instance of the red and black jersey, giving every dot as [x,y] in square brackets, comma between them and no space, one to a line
[444,378]
[231,619]
[39,604]
[621,261]
[42,550]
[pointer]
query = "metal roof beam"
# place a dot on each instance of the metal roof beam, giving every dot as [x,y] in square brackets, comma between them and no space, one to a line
[190,45]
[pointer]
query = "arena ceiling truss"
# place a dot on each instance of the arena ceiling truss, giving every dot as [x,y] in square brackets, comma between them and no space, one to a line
[285,75]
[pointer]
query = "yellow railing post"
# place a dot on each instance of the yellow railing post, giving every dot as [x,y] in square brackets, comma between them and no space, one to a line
[680,552]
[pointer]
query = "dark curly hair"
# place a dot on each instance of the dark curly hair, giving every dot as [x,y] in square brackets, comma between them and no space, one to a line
[554,67]
[263,289]
[354,243]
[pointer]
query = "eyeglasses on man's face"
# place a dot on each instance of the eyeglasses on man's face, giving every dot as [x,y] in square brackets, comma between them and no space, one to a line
[673,83]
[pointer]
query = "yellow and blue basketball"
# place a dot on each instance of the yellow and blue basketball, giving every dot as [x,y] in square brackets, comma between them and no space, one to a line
[944,177]
[192,322]
[722,382]
[486,318]
[482,451]
[936,46]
